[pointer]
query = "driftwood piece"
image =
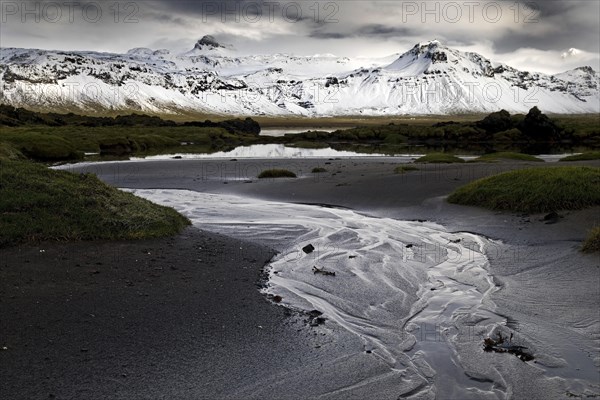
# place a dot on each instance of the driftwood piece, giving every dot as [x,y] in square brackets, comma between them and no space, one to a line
[322,271]
[500,345]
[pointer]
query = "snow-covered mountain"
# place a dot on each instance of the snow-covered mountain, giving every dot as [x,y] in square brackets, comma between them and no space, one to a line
[430,78]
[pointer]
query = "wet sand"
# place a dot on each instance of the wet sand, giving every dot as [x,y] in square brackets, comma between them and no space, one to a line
[109,320]
[174,318]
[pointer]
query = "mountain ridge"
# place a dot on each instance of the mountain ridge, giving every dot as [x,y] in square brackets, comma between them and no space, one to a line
[429,78]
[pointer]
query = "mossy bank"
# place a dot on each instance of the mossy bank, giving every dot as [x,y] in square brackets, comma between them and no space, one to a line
[534,190]
[40,204]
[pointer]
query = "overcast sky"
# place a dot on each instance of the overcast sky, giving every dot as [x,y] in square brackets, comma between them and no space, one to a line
[526,35]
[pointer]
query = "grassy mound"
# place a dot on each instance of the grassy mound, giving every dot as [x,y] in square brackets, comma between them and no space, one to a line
[492,157]
[43,147]
[318,170]
[534,190]
[37,204]
[276,173]
[592,155]
[439,158]
[592,243]
[402,169]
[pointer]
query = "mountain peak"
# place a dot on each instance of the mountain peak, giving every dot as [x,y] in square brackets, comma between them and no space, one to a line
[572,52]
[208,42]
[432,57]
[430,46]
[432,49]
[430,43]
[141,51]
[587,69]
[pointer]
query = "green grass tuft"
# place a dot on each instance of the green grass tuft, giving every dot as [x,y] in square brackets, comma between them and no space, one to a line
[276,173]
[439,158]
[402,169]
[492,157]
[592,155]
[592,242]
[318,170]
[37,204]
[534,190]
[8,152]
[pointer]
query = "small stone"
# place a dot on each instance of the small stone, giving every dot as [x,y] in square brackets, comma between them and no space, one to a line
[551,218]
[308,248]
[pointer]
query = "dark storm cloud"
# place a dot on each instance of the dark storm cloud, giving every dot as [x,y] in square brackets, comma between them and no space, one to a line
[554,25]
[553,8]
[217,9]
[366,31]
[329,35]
[347,28]
[384,31]
[586,40]
[165,19]
[197,7]
[565,17]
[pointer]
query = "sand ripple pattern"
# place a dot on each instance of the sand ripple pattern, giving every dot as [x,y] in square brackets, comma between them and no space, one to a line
[410,290]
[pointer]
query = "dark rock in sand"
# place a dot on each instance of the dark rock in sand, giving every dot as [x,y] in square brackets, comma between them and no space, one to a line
[308,248]
[551,218]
